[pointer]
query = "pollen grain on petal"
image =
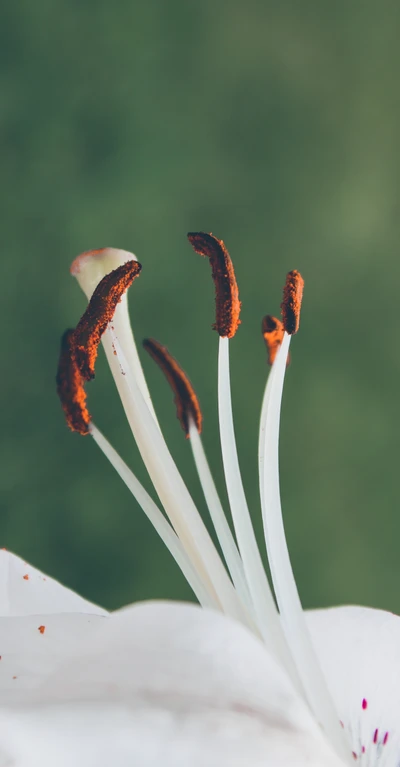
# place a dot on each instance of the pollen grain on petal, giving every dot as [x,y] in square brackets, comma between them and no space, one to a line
[42,629]
[99,313]
[291,304]
[26,577]
[186,401]
[273,332]
[70,386]
[226,288]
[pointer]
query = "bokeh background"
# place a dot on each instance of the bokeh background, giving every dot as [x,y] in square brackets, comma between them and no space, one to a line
[275,125]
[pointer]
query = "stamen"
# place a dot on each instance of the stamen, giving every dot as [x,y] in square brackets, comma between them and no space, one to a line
[89,268]
[272,330]
[99,313]
[226,289]
[291,304]
[185,398]
[292,616]
[70,386]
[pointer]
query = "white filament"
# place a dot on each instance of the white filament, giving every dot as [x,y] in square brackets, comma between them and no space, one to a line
[292,615]
[153,513]
[168,483]
[221,526]
[263,601]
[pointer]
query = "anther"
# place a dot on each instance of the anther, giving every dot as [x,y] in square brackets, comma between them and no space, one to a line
[185,397]
[70,386]
[99,313]
[291,304]
[273,331]
[223,274]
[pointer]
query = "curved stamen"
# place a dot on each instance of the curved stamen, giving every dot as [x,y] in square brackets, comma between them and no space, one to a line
[293,620]
[88,269]
[292,615]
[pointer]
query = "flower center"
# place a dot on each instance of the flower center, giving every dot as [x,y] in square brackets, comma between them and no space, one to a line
[239,586]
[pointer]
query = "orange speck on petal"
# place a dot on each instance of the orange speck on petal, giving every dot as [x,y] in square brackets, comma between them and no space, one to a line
[70,386]
[291,304]
[42,629]
[226,288]
[99,313]
[14,677]
[185,397]
[26,577]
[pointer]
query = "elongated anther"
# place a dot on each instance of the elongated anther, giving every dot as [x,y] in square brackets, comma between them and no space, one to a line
[223,274]
[185,397]
[70,386]
[273,331]
[99,313]
[291,304]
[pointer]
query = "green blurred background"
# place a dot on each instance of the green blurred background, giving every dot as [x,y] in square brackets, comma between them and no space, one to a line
[276,126]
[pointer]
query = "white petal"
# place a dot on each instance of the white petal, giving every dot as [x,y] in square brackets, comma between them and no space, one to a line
[166,685]
[359,650]
[31,648]
[26,591]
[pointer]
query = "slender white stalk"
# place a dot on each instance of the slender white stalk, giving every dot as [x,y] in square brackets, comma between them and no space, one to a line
[221,526]
[292,615]
[169,485]
[264,606]
[153,513]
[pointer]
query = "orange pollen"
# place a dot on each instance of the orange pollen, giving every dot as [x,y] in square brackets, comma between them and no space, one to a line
[226,288]
[42,629]
[99,313]
[26,577]
[273,331]
[185,397]
[70,386]
[291,304]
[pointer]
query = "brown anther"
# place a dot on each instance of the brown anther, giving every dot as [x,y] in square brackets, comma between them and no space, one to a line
[99,313]
[272,330]
[70,386]
[223,274]
[185,397]
[291,304]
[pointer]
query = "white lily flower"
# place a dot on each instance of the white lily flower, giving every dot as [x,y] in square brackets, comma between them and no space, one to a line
[235,681]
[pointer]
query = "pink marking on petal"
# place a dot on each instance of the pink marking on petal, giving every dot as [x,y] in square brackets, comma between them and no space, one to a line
[385,739]
[363,749]
[364,703]
[376,736]
[354,755]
